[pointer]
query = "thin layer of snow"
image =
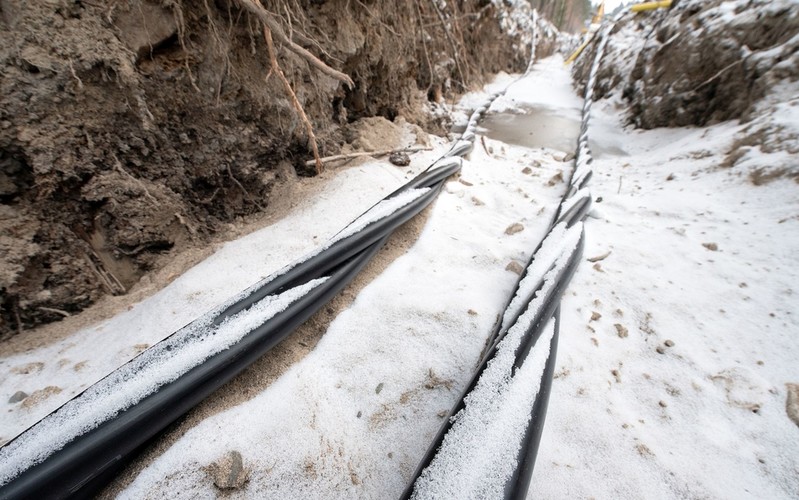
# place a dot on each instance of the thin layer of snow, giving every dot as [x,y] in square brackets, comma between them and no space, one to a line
[706,417]
[480,451]
[73,364]
[558,241]
[353,418]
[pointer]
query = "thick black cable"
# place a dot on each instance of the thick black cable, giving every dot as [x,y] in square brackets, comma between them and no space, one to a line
[517,486]
[550,302]
[89,461]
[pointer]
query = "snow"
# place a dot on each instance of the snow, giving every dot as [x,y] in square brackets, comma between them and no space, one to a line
[674,348]
[480,451]
[128,385]
[416,332]
[73,364]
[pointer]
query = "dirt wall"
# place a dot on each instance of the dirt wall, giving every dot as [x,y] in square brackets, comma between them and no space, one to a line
[132,129]
[700,62]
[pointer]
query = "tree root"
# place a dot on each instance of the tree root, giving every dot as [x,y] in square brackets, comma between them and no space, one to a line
[349,156]
[258,10]
[308,127]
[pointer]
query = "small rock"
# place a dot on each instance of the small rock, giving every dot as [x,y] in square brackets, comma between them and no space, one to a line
[568,157]
[742,284]
[660,349]
[358,415]
[670,177]
[515,267]
[598,267]
[471,312]
[616,375]
[229,472]
[711,246]
[442,413]
[390,455]
[477,201]
[595,316]
[555,179]
[792,403]
[399,159]
[621,330]
[598,199]
[662,404]
[379,388]
[465,183]
[514,228]
[527,170]
[669,343]
[17,397]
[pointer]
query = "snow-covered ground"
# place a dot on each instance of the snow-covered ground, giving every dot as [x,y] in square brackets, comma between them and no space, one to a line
[677,345]
[677,337]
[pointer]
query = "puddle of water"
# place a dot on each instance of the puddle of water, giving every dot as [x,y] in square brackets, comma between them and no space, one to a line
[534,127]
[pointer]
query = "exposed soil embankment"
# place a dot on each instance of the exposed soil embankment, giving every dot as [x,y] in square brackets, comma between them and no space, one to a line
[704,62]
[132,129]
[700,62]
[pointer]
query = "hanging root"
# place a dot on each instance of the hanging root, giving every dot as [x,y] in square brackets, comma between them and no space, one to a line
[279,72]
[258,10]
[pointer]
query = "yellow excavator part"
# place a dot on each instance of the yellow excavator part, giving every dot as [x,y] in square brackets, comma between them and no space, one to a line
[640,7]
[577,52]
[600,12]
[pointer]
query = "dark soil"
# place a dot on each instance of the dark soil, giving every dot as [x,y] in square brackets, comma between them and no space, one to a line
[134,129]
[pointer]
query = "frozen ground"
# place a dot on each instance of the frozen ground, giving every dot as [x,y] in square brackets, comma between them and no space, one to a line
[674,351]
[677,346]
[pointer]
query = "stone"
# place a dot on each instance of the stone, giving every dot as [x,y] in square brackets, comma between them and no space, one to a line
[515,267]
[17,397]
[399,159]
[514,228]
[229,472]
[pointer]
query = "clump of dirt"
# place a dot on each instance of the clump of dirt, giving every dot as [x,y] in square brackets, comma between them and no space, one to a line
[700,62]
[131,130]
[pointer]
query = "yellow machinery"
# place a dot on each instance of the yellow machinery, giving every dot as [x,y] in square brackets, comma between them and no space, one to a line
[640,7]
[597,20]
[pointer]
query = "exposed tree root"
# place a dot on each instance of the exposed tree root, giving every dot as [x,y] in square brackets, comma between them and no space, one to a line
[258,10]
[308,127]
[349,156]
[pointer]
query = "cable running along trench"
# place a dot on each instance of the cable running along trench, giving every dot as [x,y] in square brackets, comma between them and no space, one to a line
[78,449]
[534,306]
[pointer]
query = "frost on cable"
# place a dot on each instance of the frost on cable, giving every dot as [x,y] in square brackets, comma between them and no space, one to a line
[558,242]
[159,365]
[480,452]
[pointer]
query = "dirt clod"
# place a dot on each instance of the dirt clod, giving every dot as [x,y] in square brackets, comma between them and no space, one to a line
[621,330]
[514,267]
[711,246]
[229,472]
[792,402]
[595,316]
[555,179]
[514,228]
